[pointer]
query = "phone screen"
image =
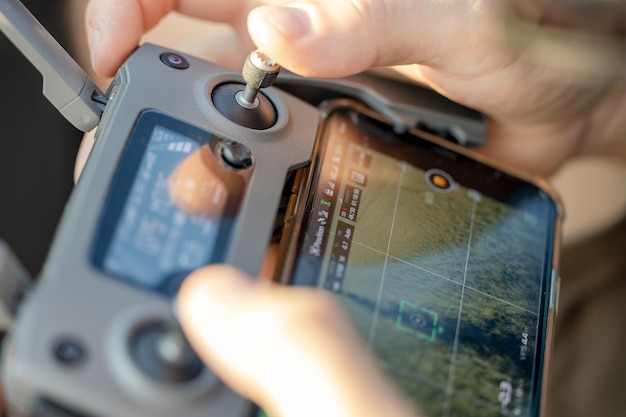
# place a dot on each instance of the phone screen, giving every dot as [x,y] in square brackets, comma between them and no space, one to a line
[443,264]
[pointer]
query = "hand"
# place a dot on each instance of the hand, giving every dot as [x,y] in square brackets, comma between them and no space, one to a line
[540,115]
[290,350]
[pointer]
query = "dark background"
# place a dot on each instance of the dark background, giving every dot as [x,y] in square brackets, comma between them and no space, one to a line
[37,147]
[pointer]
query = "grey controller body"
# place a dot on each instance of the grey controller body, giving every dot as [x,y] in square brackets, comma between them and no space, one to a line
[74,302]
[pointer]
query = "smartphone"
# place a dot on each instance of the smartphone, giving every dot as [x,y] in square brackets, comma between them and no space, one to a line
[445,263]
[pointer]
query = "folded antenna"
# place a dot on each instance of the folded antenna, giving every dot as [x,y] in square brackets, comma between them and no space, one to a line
[65,84]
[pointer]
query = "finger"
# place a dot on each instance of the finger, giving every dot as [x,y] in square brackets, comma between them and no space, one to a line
[342,37]
[115,27]
[289,350]
[83,153]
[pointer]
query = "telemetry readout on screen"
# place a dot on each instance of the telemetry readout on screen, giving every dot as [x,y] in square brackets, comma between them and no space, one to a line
[153,242]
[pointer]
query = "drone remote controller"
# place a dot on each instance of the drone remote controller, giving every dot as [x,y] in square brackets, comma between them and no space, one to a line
[96,336]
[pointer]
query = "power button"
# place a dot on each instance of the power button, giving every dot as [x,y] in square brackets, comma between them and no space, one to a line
[173,60]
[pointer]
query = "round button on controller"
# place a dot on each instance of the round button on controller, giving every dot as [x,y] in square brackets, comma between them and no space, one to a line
[69,352]
[151,357]
[173,60]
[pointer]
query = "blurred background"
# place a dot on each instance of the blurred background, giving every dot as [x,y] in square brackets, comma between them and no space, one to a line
[37,150]
[37,146]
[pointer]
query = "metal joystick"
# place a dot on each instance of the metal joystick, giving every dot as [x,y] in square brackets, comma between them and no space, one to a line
[259,71]
[244,105]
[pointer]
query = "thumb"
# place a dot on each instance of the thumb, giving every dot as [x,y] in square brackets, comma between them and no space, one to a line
[290,350]
[341,37]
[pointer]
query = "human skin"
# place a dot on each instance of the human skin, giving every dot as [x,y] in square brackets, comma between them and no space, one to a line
[540,114]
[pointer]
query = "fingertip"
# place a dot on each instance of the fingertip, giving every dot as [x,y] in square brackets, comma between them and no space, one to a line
[209,293]
[114,30]
[290,21]
[211,282]
[106,66]
[305,39]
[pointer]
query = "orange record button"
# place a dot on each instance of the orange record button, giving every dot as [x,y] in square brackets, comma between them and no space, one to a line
[440,181]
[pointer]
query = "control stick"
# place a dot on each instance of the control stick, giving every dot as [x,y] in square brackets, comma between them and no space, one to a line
[244,105]
[259,71]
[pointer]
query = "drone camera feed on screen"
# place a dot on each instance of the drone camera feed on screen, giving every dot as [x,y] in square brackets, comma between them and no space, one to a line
[441,264]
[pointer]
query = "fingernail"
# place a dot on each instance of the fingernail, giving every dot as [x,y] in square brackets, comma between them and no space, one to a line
[291,21]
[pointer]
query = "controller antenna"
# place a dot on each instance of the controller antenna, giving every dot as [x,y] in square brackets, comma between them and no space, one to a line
[259,71]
